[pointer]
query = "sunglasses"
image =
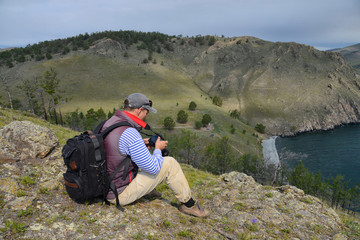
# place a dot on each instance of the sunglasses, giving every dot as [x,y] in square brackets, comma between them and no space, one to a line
[149,104]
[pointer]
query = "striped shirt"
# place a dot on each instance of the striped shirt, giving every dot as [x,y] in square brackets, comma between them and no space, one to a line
[132,144]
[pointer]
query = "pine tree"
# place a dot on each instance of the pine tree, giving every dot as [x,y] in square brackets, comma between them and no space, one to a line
[30,88]
[182,116]
[192,106]
[49,82]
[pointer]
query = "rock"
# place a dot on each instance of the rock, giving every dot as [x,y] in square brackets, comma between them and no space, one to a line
[107,47]
[237,177]
[9,186]
[37,227]
[22,140]
[21,203]
[244,205]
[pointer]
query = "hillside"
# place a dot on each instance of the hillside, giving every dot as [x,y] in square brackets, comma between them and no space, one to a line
[351,54]
[34,204]
[288,87]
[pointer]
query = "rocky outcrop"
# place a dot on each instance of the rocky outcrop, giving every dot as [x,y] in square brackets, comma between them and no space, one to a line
[272,211]
[21,140]
[107,47]
[34,205]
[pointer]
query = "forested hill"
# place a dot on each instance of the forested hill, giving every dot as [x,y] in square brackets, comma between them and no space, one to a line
[287,87]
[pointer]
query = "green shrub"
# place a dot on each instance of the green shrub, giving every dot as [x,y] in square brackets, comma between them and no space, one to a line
[260,128]
[192,106]
[182,116]
[206,119]
[217,100]
[198,125]
[232,129]
[169,123]
[235,114]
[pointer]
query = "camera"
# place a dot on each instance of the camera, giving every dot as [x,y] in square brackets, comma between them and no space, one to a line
[152,141]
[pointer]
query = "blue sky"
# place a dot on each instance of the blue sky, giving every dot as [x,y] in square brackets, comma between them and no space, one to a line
[324,24]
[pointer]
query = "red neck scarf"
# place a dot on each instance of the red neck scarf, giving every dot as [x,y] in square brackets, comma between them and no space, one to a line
[137,120]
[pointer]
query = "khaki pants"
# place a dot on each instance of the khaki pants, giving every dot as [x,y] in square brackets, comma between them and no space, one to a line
[145,182]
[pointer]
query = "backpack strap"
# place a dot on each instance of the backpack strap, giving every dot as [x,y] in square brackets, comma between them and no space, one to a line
[112,127]
[99,127]
[125,164]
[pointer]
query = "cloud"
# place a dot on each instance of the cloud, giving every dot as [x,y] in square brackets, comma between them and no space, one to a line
[322,22]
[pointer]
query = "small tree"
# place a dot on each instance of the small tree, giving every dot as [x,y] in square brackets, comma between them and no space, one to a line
[100,114]
[169,123]
[232,129]
[206,119]
[111,113]
[75,120]
[192,106]
[260,128]
[235,114]
[90,119]
[48,55]
[4,81]
[182,116]
[49,82]
[30,87]
[217,100]
[188,145]
[198,125]
[220,156]
[212,41]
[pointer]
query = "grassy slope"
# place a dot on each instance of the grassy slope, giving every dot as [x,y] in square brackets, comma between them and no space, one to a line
[94,81]
[285,86]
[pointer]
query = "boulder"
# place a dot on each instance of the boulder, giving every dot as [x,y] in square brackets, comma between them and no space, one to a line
[22,140]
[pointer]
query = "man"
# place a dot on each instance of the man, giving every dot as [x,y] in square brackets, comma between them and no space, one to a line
[154,168]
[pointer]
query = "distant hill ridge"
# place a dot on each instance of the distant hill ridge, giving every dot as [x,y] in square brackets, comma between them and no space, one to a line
[288,87]
[352,55]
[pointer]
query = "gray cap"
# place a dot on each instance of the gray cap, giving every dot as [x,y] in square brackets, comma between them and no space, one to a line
[138,100]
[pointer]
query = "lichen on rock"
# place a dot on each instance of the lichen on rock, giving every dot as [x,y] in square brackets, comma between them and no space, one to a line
[22,140]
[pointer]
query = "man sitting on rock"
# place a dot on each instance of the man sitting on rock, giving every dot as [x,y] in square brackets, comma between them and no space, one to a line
[146,170]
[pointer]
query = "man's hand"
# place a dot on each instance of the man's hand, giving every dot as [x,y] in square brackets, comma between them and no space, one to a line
[160,144]
[146,141]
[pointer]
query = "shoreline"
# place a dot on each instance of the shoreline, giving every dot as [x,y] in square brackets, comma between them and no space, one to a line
[271,156]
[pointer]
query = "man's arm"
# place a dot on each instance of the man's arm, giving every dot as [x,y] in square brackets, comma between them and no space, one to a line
[132,144]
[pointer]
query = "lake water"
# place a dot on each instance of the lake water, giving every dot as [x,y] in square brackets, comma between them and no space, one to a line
[332,152]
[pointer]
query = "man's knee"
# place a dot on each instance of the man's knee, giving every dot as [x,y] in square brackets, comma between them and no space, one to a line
[170,163]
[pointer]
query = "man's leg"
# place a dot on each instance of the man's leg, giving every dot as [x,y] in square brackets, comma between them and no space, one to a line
[145,182]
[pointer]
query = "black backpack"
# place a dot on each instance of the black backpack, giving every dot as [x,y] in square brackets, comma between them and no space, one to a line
[86,178]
